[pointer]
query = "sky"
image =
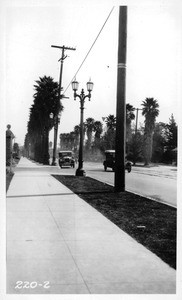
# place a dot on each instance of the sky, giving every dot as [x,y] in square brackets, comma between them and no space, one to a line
[154,62]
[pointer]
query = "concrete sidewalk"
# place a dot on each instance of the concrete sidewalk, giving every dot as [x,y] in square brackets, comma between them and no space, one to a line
[59,244]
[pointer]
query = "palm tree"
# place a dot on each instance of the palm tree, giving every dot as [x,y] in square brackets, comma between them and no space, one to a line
[89,126]
[46,101]
[111,122]
[150,111]
[35,130]
[108,140]
[63,141]
[98,129]
[72,140]
[129,117]
[129,114]
[77,136]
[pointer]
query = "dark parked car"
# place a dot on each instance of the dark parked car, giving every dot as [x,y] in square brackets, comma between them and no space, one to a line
[66,159]
[109,162]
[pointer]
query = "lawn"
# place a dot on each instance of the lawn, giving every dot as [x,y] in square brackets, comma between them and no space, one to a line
[151,223]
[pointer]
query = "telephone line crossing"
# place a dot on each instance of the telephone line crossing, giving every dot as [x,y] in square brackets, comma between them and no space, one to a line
[90,49]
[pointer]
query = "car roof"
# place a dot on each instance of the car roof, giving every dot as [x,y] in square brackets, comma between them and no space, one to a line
[65,151]
[110,151]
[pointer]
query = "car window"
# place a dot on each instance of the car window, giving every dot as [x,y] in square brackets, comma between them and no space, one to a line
[110,155]
[65,154]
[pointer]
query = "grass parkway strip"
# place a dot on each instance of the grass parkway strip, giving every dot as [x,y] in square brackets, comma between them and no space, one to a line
[150,223]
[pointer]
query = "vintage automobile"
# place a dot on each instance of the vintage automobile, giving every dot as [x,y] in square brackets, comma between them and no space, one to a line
[66,159]
[109,162]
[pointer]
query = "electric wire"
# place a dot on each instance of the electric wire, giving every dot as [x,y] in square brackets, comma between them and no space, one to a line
[90,49]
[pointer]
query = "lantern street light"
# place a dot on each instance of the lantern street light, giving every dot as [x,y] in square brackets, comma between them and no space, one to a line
[82,97]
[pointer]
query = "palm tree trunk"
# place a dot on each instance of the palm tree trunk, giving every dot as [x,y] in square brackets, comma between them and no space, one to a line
[46,147]
[147,148]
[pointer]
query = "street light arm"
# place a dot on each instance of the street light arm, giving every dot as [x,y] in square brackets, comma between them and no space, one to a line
[76,95]
[88,96]
[82,96]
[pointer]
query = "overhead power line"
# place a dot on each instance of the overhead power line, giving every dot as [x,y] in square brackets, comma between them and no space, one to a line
[90,49]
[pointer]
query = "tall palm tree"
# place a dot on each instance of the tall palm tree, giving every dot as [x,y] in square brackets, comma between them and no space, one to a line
[35,130]
[129,113]
[129,117]
[72,140]
[77,136]
[108,140]
[63,141]
[89,126]
[46,101]
[111,122]
[98,129]
[150,111]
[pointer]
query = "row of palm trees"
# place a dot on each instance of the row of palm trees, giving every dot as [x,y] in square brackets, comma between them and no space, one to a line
[46,101]
[71,140]
[99,137]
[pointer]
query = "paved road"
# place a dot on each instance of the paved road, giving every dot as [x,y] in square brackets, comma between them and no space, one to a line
[159,182]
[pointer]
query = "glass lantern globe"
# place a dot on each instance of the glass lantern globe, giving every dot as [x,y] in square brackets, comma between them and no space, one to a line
[89,86]
[75,85]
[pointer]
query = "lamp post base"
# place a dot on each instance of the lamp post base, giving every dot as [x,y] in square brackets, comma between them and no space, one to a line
[54,161]
[45,160]
[80,172]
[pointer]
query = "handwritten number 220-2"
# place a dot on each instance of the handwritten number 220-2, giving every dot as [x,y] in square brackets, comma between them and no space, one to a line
[32,285]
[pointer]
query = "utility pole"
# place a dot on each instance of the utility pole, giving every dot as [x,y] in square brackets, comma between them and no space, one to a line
[137,109]
[119,184]
[56,118]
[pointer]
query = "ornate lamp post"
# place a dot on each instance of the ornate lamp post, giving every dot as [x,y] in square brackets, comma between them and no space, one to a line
[82,97]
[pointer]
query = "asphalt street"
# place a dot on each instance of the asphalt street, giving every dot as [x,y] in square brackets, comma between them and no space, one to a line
[157,182]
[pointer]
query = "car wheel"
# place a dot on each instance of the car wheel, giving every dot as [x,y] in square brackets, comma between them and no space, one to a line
[129,169]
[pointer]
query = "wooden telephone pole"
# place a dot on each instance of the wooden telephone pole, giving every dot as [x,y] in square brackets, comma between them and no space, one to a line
[119,184]
[56,118]
[136,126]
